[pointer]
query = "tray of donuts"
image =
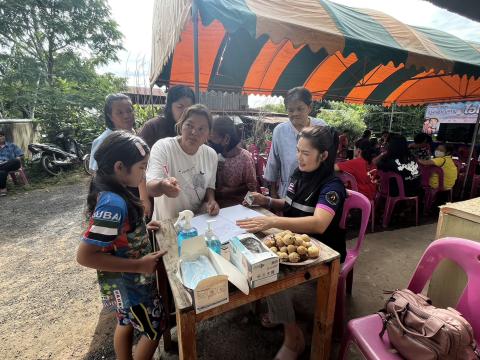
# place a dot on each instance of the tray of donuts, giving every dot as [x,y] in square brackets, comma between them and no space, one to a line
[293,249]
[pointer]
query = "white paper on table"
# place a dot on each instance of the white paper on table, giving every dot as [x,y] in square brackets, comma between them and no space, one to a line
[225,222]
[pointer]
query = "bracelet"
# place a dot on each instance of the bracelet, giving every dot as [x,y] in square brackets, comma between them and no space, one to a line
[269,202]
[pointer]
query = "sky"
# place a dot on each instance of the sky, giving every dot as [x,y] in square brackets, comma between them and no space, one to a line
[135,22]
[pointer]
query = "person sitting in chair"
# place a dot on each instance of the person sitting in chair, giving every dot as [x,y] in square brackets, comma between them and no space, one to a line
[10,160]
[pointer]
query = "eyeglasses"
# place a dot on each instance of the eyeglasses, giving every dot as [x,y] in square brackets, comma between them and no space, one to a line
[190,128]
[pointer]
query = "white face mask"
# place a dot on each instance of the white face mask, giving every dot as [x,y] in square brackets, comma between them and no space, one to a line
[439,153]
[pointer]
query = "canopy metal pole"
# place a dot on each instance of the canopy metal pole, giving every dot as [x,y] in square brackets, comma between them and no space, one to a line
[469,160]
[391,118]
[195,50]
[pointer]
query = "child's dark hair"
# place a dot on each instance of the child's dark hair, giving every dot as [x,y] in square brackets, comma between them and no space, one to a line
[398,148]
[420,138]
[2,132]
[223,126]
[298,93]
[367,148]
[107,110]
[448,148]
[367,133]
[174,94]
[323,138]
[118,146]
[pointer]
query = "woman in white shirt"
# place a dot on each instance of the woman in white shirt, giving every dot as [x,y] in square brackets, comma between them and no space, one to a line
[182,170]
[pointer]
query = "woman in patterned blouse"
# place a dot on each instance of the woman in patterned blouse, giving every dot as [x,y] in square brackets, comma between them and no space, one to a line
[236,169]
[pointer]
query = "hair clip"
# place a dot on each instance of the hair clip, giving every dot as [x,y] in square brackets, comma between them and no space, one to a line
[140,148]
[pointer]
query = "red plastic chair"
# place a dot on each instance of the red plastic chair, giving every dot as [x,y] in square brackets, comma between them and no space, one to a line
[19,174]
[466,253]
[350,182]
[392,200]
[431,193]
[355,200]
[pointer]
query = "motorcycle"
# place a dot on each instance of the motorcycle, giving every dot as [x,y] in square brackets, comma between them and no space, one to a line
[54,159]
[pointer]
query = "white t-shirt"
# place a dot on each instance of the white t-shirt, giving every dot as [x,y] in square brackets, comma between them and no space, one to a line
[95,144]
[194,173]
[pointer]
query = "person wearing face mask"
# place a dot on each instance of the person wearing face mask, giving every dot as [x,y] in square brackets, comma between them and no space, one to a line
[443,159]
[281,160]
[236,169]
[313,205]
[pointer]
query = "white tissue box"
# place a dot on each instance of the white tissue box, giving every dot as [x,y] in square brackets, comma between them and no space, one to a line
[254,260]
[212,291]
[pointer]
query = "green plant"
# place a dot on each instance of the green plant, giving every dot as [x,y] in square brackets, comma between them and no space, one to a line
[146,112]
[344,116]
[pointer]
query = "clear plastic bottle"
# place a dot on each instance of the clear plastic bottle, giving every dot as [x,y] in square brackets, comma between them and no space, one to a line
[186,229]
[211,239]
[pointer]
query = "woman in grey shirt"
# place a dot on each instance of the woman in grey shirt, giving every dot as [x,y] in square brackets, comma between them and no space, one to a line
[282,159]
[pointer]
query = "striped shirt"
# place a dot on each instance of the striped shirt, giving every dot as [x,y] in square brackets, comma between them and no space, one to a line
[109,230]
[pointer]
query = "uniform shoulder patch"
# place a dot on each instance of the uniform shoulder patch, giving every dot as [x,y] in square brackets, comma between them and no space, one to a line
[332,197]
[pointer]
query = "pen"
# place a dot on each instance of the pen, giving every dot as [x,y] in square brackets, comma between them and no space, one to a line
[165,170]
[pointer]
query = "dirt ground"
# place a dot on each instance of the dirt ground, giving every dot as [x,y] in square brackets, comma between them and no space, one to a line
[50,306]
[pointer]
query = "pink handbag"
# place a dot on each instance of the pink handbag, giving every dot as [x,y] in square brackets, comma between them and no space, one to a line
[418,330]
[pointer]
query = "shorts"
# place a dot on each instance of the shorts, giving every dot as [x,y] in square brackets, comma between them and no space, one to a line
[147,318]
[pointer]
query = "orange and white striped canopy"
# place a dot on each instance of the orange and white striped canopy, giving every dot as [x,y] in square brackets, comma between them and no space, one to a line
[337,52]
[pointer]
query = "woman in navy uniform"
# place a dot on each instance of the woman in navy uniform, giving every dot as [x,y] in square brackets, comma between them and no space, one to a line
[313,205]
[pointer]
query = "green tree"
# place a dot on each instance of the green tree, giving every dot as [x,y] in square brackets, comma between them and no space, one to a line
[344,116]
[42,30]
[48,54]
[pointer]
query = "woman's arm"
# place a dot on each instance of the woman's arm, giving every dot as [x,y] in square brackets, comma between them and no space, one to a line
[91,256]
[272,169]
[317,223]
[266,201]
[212,206]
[159,187]
[426,162]
[142,189]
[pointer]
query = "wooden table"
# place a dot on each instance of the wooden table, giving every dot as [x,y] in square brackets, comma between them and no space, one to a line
[326,270]
[459,219]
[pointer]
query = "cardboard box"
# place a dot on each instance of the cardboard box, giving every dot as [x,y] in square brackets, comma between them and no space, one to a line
[212,291]
[254,259]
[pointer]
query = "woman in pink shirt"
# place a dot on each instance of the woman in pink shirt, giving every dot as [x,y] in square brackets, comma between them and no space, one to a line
[361,167]
[236,169]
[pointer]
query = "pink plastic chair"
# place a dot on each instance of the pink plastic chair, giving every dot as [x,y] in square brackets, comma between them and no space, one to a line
[466,253]
[351,183]
[431,193]
[392,200]
[19,174]
[475,185]
[355,200]
[348,180]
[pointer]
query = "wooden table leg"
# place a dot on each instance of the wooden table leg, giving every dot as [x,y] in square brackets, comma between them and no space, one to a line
[186,332]
[162,284]
[324,313]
